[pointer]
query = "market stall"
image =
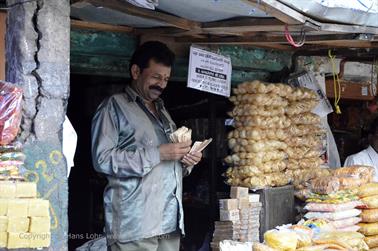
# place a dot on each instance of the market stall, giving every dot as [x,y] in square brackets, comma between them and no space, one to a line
[270,137]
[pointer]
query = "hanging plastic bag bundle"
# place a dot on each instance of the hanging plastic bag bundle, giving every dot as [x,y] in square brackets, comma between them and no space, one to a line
[10,112]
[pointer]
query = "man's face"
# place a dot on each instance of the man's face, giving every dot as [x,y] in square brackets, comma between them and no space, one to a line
[151,82]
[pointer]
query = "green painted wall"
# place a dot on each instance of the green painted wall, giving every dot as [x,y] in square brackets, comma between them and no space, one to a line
[108,54]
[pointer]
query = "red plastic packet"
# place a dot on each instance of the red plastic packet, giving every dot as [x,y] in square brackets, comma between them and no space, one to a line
[10,112]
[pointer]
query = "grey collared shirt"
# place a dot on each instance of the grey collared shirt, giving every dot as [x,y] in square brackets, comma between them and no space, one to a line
[143,197]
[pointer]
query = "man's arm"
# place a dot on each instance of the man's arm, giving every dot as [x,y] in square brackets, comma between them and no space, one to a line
[109,158]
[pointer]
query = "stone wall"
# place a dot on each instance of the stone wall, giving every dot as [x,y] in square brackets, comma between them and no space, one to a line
[37,53]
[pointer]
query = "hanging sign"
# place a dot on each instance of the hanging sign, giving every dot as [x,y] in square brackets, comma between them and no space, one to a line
[209,72]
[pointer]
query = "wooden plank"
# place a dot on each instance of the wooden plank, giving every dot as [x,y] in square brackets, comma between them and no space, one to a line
[99,26]
[344,40]
[3,16]
[280,11]
[133,10]
[253,25]
[344,28]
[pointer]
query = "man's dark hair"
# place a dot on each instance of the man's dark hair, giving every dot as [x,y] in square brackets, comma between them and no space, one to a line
[154,50]
[373,129]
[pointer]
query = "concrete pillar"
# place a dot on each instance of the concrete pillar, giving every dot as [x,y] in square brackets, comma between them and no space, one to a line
[37,53]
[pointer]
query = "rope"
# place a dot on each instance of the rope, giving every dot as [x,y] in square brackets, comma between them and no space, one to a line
[336,83]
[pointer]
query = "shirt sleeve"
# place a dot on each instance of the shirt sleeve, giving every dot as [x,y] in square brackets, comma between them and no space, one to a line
[111,157]
[349,161]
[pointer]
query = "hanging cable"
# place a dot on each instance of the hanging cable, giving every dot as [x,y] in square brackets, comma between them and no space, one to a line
[336,83]
[290,39]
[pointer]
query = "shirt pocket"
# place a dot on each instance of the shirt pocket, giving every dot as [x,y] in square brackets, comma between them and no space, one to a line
[147,141]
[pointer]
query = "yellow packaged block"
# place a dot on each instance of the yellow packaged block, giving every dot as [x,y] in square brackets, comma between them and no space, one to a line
[3,223]
[39,224]
[40,240]
[7,189]
[3,207]
[3,239]
[26,190]
[38,207]
[18,207]
[18,240]
[18,224]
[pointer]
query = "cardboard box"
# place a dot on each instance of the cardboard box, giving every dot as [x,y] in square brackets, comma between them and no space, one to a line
[239,192]
[7,189]
[26,190]
[39,207]
[229,215]
[18,224]
[18,207]
[18,240]
[228,204]
[243,203]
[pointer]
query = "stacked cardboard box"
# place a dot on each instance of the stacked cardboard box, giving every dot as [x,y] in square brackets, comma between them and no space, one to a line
[24,219]
[239,218]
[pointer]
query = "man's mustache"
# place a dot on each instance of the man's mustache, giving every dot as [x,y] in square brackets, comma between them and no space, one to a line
[158,88]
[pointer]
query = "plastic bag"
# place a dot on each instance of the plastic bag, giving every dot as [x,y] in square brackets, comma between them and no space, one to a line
[368,190]
[346,222]
[368,229]
[281,240]
[370,201]
[334,215]
[10,112]
[319,225]
[262,247]
[348,229]
[369,215]
[362,173]
[372,241]
[328,207]
[349,240]
[325,185]
[304,235]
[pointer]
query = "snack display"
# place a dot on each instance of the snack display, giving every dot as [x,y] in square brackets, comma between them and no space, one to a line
[277,140]
[369,217]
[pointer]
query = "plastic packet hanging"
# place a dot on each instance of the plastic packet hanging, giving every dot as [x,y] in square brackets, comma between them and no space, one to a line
[10,112]
[325,185]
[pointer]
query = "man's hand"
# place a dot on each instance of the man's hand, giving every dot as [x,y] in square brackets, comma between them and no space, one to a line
[174,151]
[191,159]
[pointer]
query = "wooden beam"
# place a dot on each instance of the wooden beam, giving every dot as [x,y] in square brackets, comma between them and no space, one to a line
[280,11]
[127,8]
[253,25]
[237,27]
[99,26]
[347,40]
[344,28]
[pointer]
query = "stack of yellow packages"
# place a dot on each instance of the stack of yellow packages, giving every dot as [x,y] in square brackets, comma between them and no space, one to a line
[24,219]
[337,206]
[303,238]
[277,139]
[369,226]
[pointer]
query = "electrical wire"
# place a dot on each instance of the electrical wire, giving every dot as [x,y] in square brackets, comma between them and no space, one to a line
[336,83]
[290,39]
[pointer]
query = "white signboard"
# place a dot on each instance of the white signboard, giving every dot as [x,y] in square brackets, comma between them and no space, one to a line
[209,72]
